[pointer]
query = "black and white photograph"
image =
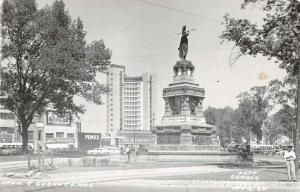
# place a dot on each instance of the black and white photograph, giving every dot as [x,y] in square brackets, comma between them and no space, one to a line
[150,95]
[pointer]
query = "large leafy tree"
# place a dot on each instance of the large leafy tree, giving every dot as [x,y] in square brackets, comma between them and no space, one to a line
[287,119]
[225,121]
[273,128]
[278,38]
[253,110]
[284,93]
[46,61]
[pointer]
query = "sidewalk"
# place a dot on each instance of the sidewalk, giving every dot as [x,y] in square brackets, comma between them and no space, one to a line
[114,175]
[212,184]
[245,174]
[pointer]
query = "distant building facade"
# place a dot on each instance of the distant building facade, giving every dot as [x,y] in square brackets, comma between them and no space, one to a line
[53,131]
[60,132]
[115,82]
[131,104]
[7,121]
[139,102]
[7,126]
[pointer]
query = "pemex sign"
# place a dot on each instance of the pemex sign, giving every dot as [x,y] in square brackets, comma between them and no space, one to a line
[87,141]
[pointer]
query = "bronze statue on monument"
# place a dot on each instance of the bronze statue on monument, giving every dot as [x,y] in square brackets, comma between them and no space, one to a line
[183,46]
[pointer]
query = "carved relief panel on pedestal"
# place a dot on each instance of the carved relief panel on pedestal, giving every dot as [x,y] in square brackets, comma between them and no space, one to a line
[168,111]
[185,105]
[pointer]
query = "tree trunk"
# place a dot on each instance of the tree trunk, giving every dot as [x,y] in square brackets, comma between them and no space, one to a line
[39,160]
[25,144]
[24,141]
[248,136]
[296,141]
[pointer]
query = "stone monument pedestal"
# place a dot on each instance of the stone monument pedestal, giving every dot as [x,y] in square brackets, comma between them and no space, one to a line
[183,125]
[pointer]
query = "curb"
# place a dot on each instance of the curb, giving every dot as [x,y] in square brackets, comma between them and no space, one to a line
[213,184]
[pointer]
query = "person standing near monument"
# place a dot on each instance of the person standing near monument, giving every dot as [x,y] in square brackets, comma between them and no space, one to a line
[290,156]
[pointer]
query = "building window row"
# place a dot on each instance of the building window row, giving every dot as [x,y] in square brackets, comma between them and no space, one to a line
[49,135]
[132,85]
[128,127]
[70,135]
[137,89]
[132,110]
[132,94]
[130,122]
[132,113]
[132,107]
[132,102]
[7,116]
[136,119]
[59,135]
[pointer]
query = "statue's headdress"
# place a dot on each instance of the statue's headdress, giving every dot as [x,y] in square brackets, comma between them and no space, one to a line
[183,28]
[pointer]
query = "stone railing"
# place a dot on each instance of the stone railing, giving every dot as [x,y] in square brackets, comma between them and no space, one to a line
[183,119]
[183,90]
[183,78]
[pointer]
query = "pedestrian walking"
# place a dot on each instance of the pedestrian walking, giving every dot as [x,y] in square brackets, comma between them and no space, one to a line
[127,151]
[290,156]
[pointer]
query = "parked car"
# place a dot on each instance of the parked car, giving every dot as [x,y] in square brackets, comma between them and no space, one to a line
[104,151]
[278,152]
[233,147]
[64,151]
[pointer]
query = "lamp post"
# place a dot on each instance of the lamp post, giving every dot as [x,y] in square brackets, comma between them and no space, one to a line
[134,135]
[151,126]
[134,131]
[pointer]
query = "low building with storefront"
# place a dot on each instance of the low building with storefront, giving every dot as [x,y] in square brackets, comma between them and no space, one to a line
[52,130]
[134,137]
[7,126]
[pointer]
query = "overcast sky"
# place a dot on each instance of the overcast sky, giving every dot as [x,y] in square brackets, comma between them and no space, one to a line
[143,36]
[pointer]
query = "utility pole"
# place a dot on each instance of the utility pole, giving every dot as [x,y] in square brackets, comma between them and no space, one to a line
[134,136]
[151,127]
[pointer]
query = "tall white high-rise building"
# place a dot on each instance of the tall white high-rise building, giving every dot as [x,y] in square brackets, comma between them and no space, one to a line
[131,104]
[139,102]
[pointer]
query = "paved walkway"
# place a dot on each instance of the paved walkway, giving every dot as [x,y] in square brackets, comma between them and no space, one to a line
[116,175]
[13,165]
